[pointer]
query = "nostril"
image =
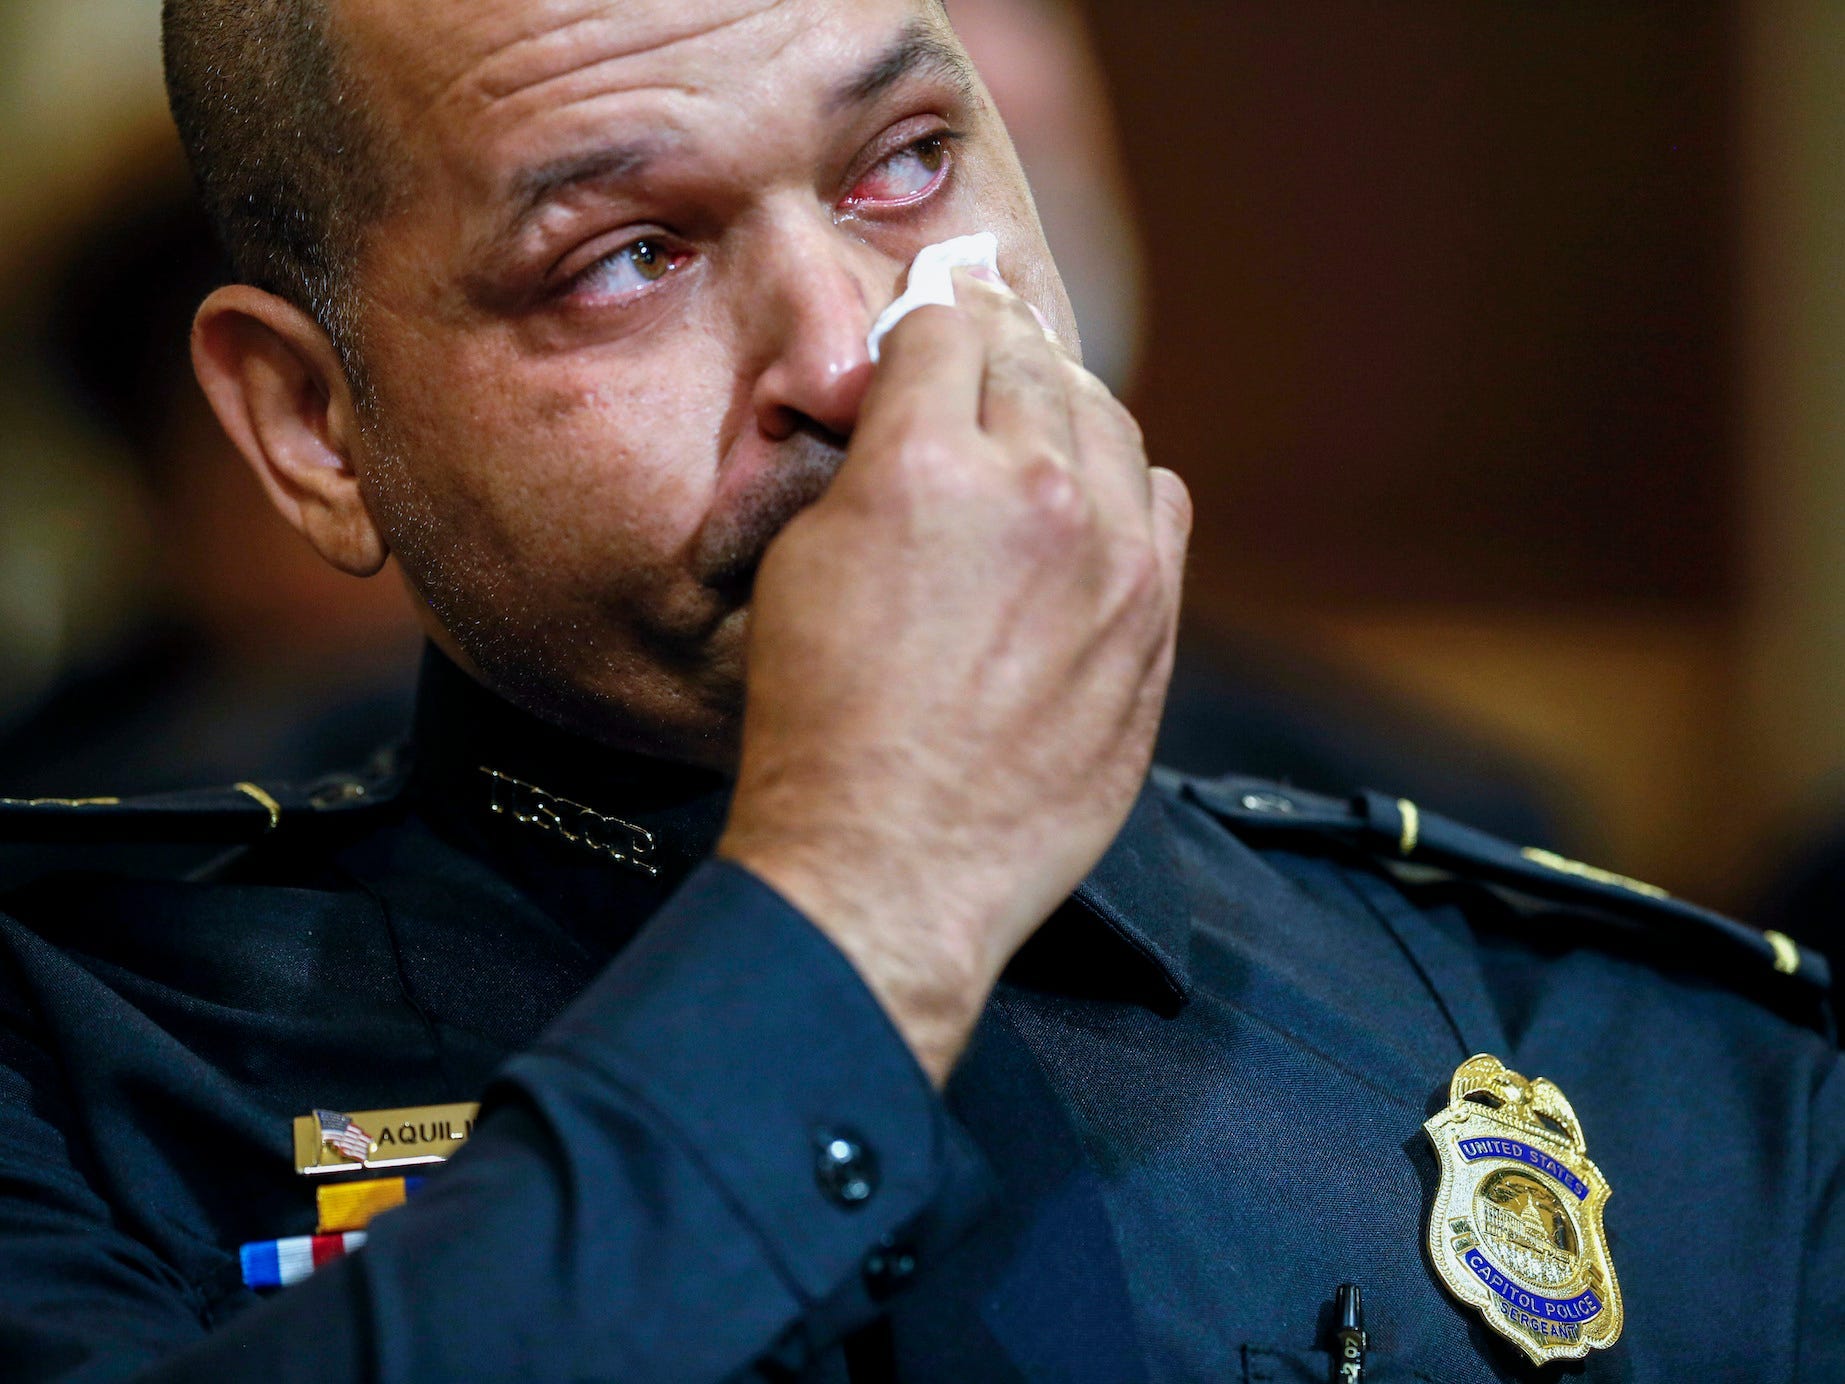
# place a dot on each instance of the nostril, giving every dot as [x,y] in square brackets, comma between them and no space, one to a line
[783,423]
[829,437]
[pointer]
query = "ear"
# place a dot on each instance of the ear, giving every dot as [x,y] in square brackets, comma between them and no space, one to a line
[277,385]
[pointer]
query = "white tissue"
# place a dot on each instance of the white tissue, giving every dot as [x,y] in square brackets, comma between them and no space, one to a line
[932,280]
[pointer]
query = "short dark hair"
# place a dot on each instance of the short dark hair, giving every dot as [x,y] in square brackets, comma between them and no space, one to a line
[285,149]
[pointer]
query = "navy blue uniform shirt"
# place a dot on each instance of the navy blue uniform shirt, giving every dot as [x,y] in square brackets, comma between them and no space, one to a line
[1192,1109]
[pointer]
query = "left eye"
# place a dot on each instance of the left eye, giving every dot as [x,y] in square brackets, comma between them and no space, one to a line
[630,269]
[905,175]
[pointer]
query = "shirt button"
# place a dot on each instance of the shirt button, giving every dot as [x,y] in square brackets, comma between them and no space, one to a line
[888,1268]
[846,1170]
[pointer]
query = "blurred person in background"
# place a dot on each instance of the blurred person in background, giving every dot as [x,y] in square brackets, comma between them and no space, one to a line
[243,655]
[878,1020]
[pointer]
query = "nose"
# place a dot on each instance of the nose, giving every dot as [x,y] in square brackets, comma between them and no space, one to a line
[824,290]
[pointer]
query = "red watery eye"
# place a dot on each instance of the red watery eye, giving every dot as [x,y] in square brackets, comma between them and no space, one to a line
[905,175]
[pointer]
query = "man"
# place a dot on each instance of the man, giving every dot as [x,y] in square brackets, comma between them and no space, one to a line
[877,1022]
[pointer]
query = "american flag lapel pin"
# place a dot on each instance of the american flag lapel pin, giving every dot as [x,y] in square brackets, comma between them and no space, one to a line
[344,1135]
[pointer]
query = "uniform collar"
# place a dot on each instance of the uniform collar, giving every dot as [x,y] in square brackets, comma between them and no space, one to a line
[475,752]
[1124,933]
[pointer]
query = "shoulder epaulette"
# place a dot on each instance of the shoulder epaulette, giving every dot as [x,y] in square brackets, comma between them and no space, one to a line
[1398,830]
[240,814]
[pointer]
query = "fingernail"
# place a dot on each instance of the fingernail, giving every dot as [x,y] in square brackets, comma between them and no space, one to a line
[1043,321]
[985,275]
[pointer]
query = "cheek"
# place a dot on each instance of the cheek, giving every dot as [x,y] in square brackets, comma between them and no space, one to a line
[590,477]
[609,470]
[1003,205]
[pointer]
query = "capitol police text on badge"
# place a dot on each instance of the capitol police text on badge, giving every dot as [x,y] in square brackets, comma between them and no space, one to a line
[1516,1229]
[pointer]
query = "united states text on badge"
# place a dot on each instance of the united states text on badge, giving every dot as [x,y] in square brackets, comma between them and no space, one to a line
[1516,1230]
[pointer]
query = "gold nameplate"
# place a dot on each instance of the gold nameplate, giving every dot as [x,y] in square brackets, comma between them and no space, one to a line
[1516,1229]
[333,1141]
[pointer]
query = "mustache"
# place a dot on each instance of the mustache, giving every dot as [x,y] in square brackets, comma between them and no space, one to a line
[729,547]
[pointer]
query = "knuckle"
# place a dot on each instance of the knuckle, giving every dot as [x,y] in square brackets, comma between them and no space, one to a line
[1055,500]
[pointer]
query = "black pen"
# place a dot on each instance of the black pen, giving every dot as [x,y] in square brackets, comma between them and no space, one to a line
[1349,1336]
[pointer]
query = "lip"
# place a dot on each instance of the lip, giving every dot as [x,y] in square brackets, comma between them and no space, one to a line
[760,492]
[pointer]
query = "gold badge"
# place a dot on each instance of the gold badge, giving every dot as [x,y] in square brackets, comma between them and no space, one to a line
[1516,1230]
[332,1141]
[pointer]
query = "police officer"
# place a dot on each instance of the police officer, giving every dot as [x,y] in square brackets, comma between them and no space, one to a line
[888,1022]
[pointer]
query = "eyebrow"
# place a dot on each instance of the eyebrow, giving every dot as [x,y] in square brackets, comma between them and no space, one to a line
[918,50]
[614,163]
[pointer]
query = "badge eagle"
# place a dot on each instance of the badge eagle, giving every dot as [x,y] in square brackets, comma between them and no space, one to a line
[1516,1229]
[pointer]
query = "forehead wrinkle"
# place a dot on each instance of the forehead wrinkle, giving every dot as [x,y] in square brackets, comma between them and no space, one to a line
[533,61]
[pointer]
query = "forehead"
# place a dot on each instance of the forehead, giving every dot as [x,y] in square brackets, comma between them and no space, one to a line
[486,70]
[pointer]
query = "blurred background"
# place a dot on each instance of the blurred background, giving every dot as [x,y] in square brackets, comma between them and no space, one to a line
[1502,345]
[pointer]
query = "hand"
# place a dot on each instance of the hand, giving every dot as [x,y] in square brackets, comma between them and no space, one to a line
[958,659]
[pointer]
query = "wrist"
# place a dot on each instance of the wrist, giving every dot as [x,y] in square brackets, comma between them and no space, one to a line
[924,966]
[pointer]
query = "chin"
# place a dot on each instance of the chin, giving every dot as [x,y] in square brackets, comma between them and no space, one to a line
[664,696]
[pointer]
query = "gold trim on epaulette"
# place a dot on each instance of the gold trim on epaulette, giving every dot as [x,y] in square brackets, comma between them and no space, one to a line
[251,790]
[1563,865]
[60,802]
[1787,952]
[1412,825]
